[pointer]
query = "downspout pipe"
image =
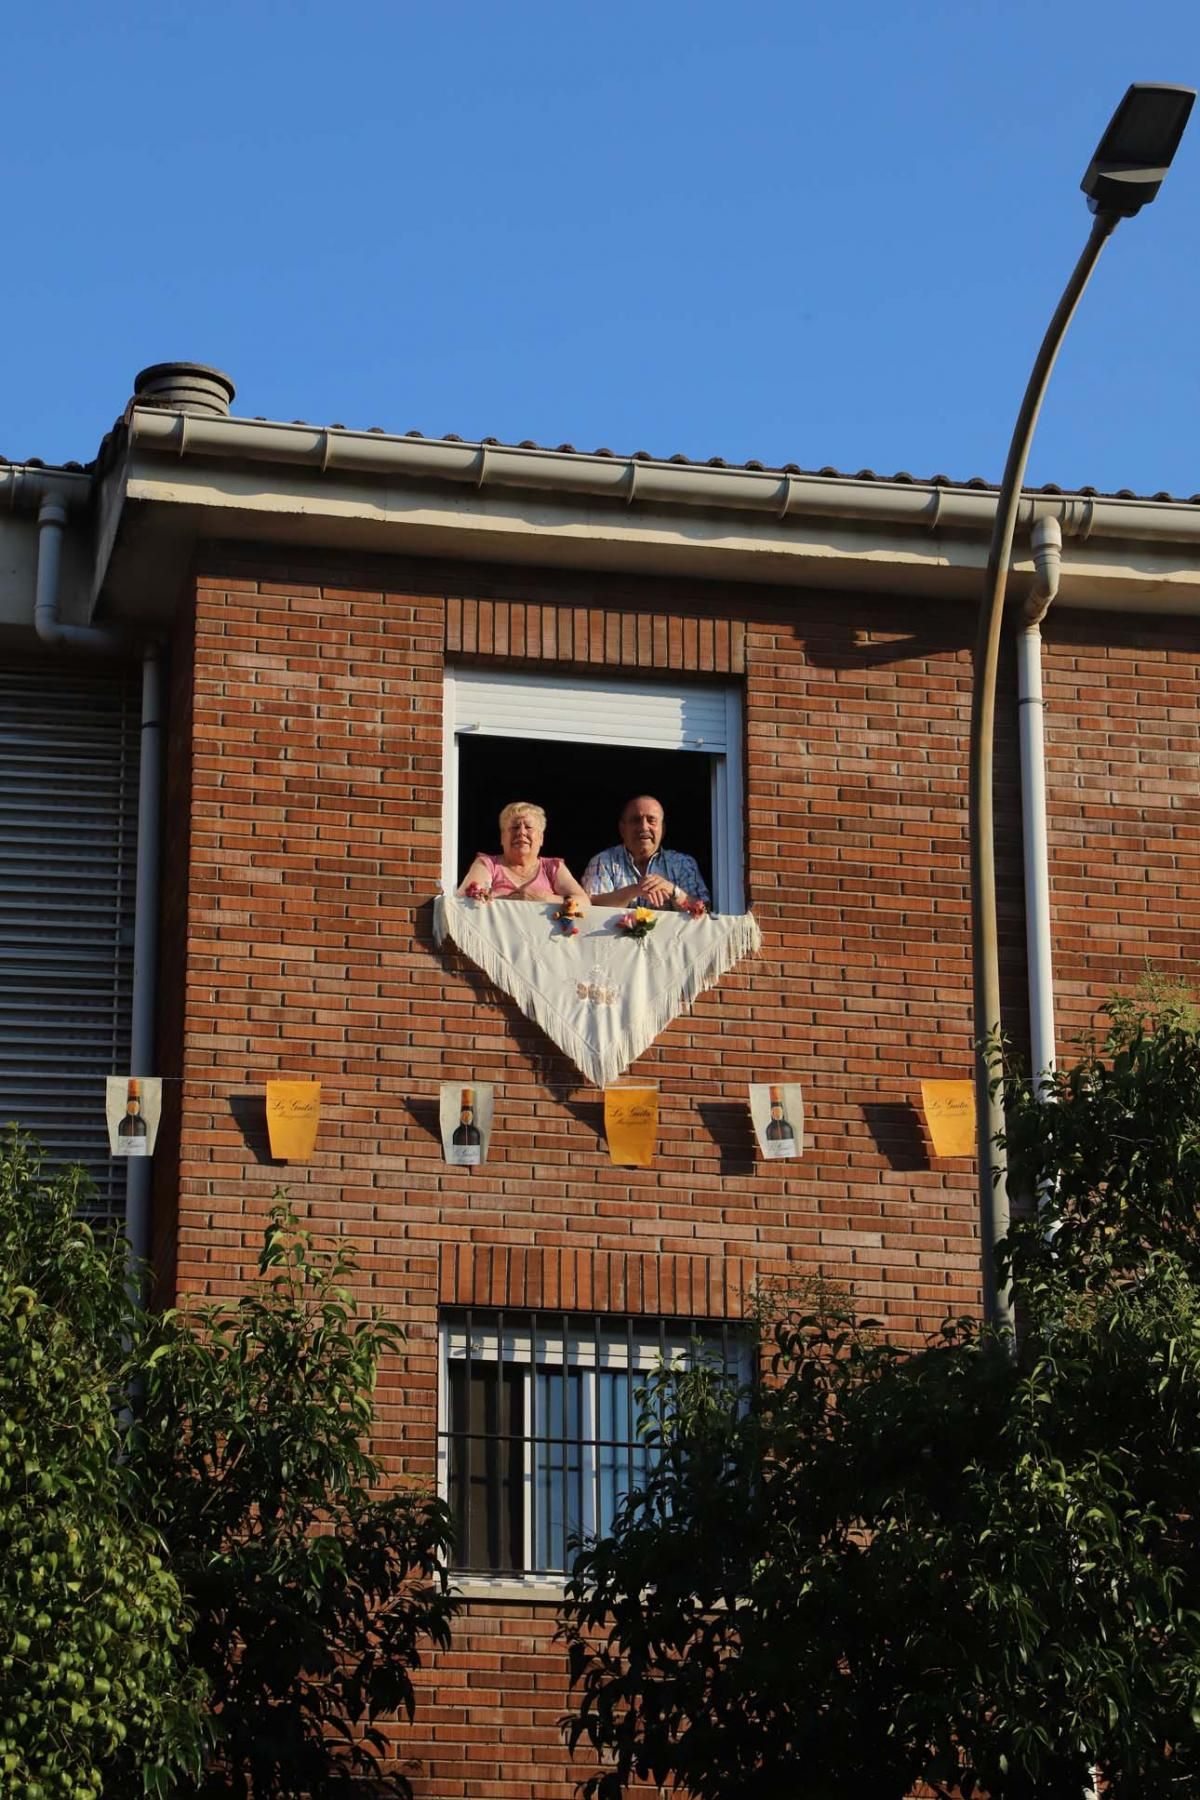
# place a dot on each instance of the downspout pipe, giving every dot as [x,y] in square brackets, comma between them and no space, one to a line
[142,1057]
[98,640]
[94,640]
[1047,556]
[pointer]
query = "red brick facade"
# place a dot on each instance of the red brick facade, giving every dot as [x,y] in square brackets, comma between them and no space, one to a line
[299,934]
[1123,799]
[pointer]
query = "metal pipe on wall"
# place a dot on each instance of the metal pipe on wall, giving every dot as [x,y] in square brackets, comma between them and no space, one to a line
[138,1211]
[1047,550]
[1037,864]
[96,640]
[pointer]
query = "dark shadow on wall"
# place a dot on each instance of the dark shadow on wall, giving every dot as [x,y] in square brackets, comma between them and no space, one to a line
[426,1114]
[590,1114]
[729,1126]
[547,1064]
[899,1136]
[250,1116]
[850,645]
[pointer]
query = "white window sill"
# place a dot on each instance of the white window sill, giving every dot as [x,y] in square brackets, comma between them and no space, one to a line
[536,1590]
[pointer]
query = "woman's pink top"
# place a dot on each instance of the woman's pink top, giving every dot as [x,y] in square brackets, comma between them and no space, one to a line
[538,887]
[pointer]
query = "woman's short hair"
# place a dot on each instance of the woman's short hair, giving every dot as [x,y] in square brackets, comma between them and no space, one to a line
[515,808]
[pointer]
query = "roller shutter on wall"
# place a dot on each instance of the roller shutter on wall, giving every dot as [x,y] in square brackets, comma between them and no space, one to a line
[68,842]
[569,709]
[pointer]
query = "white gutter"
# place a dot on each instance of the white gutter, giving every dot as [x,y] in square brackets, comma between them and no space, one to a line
[1047,552]
[22,488]
[922,505]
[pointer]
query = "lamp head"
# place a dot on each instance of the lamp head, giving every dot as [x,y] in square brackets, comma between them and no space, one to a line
[1135,152]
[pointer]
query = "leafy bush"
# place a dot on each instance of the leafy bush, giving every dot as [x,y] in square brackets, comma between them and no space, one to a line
[95,1687]
[217,1598]
[312,1590]
[950,1565]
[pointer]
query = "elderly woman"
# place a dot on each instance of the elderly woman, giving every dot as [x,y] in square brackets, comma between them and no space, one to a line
[521,872]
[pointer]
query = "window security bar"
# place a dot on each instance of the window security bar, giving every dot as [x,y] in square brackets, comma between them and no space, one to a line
[538,1439]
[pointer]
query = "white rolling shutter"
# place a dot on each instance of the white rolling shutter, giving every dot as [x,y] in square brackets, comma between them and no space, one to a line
[570,709]
[68,843]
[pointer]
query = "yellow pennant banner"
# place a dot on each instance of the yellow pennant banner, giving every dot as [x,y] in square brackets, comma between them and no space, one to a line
[950,1115]
[631,1125]
[293,1115]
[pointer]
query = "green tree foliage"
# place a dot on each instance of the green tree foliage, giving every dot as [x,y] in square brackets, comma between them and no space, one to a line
[948,1565]
[217,1599]
[95,1690]
[312,1590]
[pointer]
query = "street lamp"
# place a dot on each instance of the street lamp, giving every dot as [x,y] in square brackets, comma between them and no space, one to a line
[1124,175]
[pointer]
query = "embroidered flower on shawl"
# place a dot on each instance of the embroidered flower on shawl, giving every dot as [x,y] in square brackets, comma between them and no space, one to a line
[598,988]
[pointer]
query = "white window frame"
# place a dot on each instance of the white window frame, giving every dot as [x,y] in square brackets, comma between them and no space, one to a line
[564,709]
[488,1344]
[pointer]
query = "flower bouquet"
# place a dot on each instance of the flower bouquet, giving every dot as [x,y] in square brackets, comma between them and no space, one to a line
[568,916]
[638,922]
[694,908]
[476,890]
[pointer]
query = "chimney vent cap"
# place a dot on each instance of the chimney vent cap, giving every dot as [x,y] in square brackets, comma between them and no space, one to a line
[184,387]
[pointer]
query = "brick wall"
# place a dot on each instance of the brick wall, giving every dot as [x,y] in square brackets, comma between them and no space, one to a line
[1123,799]
[314,748]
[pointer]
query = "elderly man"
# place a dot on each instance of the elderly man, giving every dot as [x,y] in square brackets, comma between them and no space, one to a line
[638,869]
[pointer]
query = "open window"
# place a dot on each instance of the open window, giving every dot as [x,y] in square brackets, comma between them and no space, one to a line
[580,747]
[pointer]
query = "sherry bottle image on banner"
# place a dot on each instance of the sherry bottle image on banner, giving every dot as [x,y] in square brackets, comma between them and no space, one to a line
[466,1143]
[132,1129]
[781,1139]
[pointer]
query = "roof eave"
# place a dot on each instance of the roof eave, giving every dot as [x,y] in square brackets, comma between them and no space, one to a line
[467,501]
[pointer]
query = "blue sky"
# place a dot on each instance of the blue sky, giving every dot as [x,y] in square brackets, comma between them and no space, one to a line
[828,235]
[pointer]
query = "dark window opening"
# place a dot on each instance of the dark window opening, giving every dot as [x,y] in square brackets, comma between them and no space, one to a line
[487,1460]
[582,788]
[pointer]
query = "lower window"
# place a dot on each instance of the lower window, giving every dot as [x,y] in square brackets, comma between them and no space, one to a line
[538,1438]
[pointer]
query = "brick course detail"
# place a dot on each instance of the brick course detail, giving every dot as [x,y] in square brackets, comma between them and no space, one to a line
[306,740]
[529,631]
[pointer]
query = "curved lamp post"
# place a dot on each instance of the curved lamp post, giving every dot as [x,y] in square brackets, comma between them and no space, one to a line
[1124,175]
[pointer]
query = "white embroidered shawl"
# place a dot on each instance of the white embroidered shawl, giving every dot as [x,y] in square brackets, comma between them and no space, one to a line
[601,996]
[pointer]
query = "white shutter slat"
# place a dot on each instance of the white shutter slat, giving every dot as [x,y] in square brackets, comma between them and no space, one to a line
[68,846]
